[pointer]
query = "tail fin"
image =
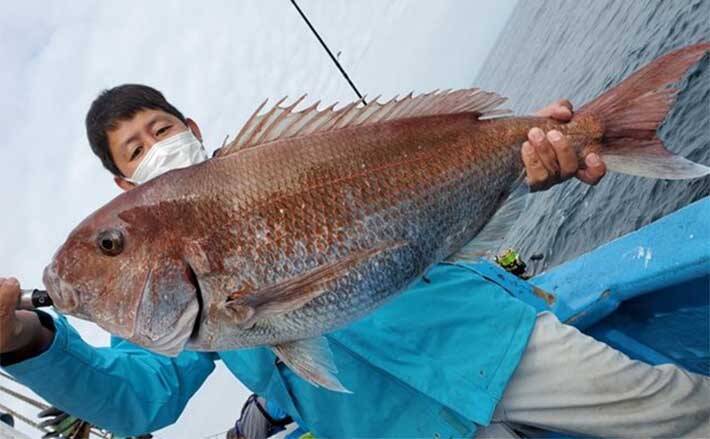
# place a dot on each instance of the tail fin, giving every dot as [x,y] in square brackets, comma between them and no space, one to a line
[631,112]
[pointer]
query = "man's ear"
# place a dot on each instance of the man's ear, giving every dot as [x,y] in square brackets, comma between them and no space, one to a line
[194,128]
[125,185]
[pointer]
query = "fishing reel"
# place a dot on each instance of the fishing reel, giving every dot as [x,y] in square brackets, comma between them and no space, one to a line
[33,299]
[510,261]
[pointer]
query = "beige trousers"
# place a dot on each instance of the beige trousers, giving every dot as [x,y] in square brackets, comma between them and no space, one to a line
[571,383]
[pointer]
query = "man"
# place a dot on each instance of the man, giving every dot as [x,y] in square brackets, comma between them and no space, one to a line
[434,361]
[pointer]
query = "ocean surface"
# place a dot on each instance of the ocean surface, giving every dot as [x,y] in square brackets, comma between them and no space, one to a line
[555,49]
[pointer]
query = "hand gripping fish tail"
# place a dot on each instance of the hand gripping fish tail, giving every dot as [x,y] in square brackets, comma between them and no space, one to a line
[630,113]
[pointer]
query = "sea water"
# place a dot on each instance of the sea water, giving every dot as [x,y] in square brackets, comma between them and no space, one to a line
[563,49]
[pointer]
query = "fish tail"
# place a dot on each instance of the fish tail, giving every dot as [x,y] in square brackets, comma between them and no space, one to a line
[629,114]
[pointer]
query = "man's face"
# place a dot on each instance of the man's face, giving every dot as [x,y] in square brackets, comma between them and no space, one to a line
[133,138]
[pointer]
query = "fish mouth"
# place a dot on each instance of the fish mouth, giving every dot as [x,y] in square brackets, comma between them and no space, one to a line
[192,276]
[64,297]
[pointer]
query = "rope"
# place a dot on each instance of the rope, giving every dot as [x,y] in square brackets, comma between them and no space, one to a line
[325,46]
[24,398]
[4,375]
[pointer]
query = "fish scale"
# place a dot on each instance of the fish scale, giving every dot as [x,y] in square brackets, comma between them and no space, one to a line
[335,212]
[252,219]
[416,207]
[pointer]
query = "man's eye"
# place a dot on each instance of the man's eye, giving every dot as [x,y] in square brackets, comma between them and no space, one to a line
[163,130]
[136,153]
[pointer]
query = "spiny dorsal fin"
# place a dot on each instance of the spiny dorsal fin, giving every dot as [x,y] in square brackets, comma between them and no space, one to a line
[282,122]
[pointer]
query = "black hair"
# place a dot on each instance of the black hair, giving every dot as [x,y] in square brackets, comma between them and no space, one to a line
[118,104]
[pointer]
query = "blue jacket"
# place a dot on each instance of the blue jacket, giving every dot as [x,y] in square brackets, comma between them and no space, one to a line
[433,361]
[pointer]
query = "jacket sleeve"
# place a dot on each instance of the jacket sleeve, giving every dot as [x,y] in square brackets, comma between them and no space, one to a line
[124,389]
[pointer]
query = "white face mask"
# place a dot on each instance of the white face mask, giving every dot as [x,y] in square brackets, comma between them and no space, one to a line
[175,152]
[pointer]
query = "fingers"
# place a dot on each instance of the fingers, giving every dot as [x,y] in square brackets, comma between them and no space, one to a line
[49,411]
[566,155]
[544,150]
[9,293]
[561,110]
[549,159]
[595,170]
[565,103]
[535,170]
[53,420]
[561,113]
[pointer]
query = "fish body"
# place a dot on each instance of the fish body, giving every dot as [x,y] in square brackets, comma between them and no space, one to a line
[413,189]
[355,215]
[312,219]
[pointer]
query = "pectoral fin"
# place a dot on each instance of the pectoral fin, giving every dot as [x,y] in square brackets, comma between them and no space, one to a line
[312,360]
[293,293]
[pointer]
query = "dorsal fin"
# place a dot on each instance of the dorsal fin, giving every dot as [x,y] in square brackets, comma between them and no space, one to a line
[282,122]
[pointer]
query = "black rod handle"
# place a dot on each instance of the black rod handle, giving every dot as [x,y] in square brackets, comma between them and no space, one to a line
[33,299]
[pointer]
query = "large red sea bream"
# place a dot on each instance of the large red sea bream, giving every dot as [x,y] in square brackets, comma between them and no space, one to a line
[311,219]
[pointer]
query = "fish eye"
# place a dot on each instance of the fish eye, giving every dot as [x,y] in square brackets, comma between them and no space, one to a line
[110,242]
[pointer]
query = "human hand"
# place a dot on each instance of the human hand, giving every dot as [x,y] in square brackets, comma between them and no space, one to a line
[11,327]
[19,330]
[61,424]
[549,159]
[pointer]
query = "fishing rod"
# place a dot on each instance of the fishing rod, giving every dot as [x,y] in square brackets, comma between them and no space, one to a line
[330,54]
[33,299]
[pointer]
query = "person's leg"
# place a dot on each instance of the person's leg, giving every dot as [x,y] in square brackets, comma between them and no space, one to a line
[570,382]
[496,430]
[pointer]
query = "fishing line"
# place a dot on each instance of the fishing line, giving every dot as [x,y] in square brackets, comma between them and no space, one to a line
[325,46]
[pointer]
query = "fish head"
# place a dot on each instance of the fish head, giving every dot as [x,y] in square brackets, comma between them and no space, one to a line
[121,270]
